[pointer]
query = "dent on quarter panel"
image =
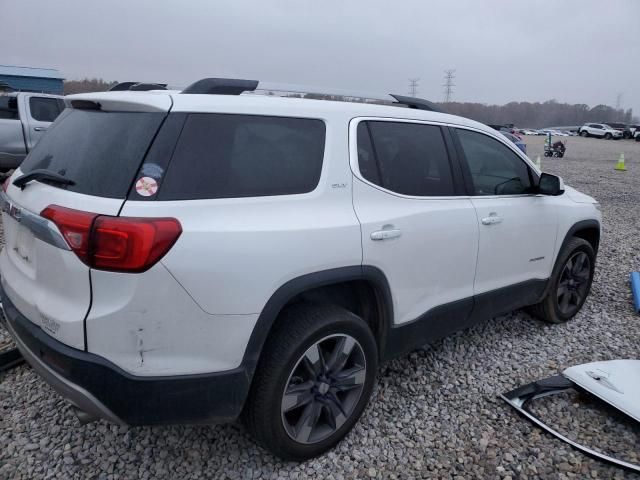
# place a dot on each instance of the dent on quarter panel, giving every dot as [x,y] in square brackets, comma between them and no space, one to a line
[148,325]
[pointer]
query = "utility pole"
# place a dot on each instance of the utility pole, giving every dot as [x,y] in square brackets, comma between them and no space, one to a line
[449,76]
[413,86]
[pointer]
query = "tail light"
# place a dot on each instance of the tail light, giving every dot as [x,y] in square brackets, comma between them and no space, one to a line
[119,244]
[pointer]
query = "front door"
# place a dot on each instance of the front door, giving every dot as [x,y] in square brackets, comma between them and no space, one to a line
[517,227]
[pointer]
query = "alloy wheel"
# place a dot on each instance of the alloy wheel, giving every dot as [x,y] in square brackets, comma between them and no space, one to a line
[573,283]
[323,388]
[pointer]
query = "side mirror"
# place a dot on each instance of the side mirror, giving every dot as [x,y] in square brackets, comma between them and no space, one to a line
[550,185]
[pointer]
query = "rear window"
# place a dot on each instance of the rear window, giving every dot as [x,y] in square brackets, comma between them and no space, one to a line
[100,151]
[230,156]
[45,109]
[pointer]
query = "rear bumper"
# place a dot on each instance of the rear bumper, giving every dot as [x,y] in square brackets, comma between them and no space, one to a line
[103,390]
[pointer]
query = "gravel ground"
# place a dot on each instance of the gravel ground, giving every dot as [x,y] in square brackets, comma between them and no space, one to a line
[435,413]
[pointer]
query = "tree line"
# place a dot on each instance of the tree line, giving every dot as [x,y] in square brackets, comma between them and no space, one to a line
[523,114]
[86,85]
[535,115]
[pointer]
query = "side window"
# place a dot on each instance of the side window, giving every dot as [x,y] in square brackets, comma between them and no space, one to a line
[406,158]
[44,109]
[230,156]
[494,168]
[8,108]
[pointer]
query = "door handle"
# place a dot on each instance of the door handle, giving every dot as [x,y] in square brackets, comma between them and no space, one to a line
[385,234]
[40,129]
[492,219]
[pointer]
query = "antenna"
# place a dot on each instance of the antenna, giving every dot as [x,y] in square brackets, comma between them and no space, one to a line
[449,76]
[413,87]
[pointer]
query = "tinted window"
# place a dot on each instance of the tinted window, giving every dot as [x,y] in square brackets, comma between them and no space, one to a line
[44,109]
[227,156]
[406,158]
[8,108]
[495,169]
[100,151]
[366,157]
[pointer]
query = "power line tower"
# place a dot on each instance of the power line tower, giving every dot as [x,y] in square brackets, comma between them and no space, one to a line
[413,86]
[449,77]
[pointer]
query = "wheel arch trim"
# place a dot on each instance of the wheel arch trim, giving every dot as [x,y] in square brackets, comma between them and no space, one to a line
[578,226]
[590,224]
[289,290]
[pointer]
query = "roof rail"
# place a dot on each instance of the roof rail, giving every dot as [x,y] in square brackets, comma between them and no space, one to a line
[137,87]
[417,103]
[221,86]
[312,90]
[235,86]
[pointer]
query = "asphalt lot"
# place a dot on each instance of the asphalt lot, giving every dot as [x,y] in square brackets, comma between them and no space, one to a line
[435,413]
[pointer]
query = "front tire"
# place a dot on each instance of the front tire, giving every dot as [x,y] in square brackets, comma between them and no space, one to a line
[584,133]
[570,283]
[313,381]
[608,136]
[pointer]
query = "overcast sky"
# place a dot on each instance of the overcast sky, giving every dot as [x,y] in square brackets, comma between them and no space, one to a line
[585,51]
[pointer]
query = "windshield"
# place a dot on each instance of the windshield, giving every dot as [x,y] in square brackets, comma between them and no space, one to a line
[100,151]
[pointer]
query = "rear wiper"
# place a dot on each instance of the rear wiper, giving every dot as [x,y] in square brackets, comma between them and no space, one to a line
[42,174]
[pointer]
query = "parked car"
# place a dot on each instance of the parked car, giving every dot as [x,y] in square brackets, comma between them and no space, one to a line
[516,140]
[601,130]
[527,131]
[622,127]
[636,135]
[205,255]
[24,118]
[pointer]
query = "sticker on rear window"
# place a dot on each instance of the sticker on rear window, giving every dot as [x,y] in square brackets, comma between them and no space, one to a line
[146,186]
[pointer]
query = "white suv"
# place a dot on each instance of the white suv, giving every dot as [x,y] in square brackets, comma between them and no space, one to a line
[204,255]
[601,130]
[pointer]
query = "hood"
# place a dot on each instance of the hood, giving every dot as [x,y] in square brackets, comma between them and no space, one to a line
[577,196]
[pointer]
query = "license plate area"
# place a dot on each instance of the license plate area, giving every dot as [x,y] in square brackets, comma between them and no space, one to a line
[23,246]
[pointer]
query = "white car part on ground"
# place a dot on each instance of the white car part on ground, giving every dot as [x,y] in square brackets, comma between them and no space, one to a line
[616,382]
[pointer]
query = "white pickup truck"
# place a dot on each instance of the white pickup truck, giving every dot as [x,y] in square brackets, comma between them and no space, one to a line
[24,118]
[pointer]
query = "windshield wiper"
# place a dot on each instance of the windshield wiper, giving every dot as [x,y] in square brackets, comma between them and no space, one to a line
[42,174]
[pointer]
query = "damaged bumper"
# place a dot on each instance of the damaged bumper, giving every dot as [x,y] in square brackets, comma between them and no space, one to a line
[99,389]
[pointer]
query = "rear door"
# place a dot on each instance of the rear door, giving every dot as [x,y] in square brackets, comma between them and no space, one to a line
[100,150]
[417,225]
[40,112]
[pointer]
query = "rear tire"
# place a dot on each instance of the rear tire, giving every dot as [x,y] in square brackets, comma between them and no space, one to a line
[328,389]
[570,283]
